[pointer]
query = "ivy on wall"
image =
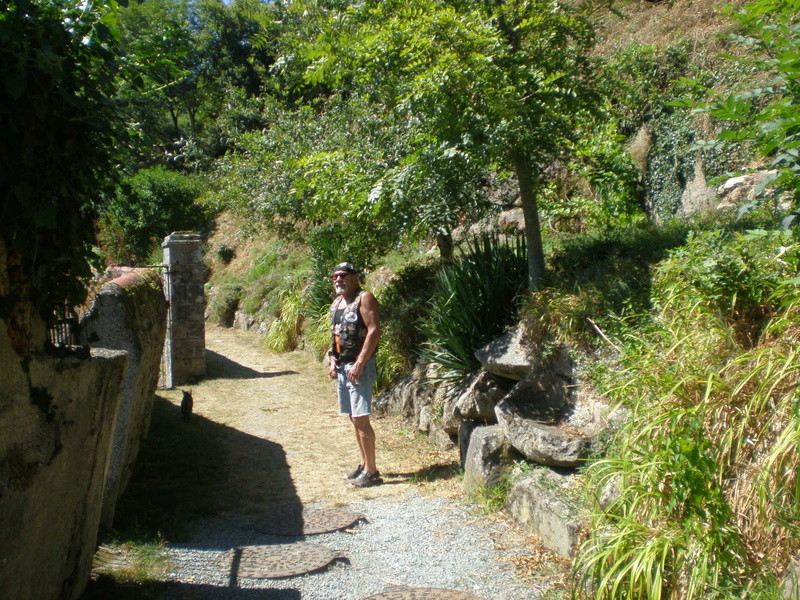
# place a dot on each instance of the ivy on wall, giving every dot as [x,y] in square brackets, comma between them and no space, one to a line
[671,161]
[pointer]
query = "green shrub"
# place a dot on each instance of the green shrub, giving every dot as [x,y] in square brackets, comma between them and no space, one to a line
[405,303]
[224,303]
[598,189]
[62,141]
[336,242]
[763,113]
[732,276]
[393,363]
[643,76]
[146,208]
[317,332]
[474,301]
[284,331]
[600,276]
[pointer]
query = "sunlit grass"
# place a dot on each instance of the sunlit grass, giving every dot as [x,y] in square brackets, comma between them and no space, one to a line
[706,468]
[284,332]
[144,561]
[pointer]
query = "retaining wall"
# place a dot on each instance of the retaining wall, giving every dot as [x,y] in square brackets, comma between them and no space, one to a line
[57,415]
[71,424]
[129,313]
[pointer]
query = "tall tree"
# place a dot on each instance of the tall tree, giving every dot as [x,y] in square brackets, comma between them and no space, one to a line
[163,94]
[236,43]
[190,63]
[507,82]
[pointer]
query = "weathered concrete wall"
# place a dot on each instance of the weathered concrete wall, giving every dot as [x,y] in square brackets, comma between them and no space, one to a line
[57,416]
[129,313]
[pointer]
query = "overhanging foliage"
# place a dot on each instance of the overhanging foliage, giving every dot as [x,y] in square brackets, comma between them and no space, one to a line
[61,134]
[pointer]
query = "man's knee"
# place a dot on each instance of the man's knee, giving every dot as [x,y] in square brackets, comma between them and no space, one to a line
[362,424]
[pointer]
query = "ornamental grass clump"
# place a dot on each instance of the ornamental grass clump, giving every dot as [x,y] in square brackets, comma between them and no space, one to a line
[284,332]
[705,472]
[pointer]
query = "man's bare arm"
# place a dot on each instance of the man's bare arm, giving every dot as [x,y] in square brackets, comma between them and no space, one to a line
[370,312]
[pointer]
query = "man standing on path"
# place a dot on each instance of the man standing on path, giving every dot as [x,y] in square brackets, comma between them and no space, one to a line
[355,328]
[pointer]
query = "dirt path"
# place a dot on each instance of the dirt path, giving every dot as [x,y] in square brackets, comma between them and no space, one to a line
[289,400]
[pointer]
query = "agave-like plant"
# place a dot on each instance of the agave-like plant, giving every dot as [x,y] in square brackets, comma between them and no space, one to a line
[475,301]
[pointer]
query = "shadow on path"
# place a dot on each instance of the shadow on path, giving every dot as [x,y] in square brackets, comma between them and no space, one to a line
[187,472]
[222,367]
[190,473]
[105,588]
[441,471]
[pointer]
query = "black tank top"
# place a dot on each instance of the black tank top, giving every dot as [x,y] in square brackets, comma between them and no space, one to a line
[349,329]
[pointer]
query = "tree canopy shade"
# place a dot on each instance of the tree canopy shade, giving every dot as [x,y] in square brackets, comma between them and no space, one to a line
[187,64]
[60,134]
[506,82]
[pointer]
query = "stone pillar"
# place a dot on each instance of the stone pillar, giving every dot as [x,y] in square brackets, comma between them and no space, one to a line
[185,345]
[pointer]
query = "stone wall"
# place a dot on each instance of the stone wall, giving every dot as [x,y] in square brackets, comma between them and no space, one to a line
[57,414]
[185,349]
[130,314]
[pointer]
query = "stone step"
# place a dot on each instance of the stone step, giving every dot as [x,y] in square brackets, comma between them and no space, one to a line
[544,502]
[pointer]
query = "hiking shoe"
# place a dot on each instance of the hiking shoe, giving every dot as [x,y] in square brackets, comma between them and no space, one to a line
[367,480]
[355,472]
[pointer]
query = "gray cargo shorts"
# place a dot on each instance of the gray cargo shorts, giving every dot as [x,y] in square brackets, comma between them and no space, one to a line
[355,400]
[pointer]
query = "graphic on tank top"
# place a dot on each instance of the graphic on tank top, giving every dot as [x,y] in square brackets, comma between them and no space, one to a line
[348,330]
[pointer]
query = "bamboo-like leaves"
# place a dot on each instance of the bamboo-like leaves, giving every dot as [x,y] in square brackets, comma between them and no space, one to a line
[706,470]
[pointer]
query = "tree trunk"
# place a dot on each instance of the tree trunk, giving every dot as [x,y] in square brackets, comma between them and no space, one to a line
[174,115]
[444,241]
[530,212]
[192,121]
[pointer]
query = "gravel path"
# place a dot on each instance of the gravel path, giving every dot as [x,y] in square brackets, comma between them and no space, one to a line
[415,541]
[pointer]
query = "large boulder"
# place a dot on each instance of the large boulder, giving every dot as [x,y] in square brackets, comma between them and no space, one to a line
[511,220]
[507,356]
[472,400]
[465,429]
[443,396]
[534,416]
[545,397]
[512,356]
[441,438]
[742,188]
[480,395]
[409,396]
[543,503]
[549,445]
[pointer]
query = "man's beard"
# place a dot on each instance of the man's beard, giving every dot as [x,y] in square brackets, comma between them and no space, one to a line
[340,288]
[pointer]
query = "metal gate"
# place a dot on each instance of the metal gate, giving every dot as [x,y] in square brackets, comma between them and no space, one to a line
[165,372]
